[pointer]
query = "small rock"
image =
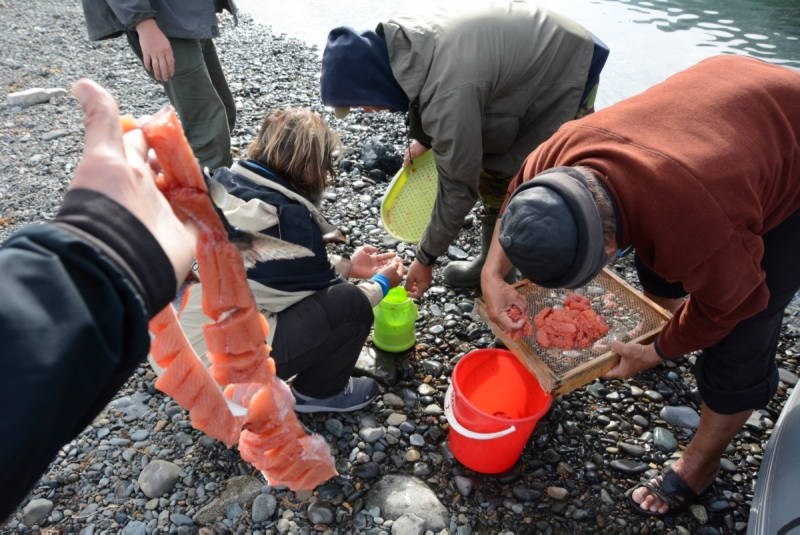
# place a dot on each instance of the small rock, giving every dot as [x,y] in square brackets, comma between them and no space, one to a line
[36,510]
[652,395]
[699,512]
[634,450]
[263,507]
[320,513]
[557,493]
[464,485]
[787,377]
[135,527]
[180,519]
[35,95]
[158,478]
[371,434]
[391,399]
[54,134]
[664,440]
[398,495]
[408,524]
[680,416]
[628,466]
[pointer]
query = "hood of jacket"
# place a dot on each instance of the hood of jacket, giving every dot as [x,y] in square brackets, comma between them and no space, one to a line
[356,72]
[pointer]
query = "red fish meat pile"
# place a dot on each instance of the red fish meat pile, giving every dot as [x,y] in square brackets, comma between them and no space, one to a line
[574,326]
[269,436]
[515,313]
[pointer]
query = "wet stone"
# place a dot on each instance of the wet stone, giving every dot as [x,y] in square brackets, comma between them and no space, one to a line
[320,513]
[652,395]
[685,417]
[727,465]
[633,450]
[263,508]
[464,485]
[641,421]
[664,440]
[628,466]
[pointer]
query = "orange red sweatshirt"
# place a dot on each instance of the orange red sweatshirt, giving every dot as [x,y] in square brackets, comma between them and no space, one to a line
[701,166]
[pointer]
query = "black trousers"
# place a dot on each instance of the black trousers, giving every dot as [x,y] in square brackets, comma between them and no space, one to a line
[320,339]
[739,372]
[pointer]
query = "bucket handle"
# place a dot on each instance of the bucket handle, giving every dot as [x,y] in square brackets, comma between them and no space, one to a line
[460,429]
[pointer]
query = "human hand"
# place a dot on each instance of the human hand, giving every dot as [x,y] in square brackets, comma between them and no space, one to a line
[393,270]
[156,51]
[117,166]
[418,279]
[366,261]
[633,359]
[500,299]
[413,151]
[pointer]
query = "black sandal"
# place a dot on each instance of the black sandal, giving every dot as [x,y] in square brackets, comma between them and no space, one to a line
[670,488]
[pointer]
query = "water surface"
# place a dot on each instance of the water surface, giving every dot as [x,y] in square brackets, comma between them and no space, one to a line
[649,40]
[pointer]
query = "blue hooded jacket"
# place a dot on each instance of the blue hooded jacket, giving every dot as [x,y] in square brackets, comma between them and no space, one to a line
[356,72]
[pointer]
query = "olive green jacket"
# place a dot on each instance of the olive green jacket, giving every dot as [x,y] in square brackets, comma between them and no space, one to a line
[486,87]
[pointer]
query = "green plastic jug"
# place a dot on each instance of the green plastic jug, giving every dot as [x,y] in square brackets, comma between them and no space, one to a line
[395,319]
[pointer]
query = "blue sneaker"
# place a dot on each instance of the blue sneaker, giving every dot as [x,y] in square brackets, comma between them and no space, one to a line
[357,394]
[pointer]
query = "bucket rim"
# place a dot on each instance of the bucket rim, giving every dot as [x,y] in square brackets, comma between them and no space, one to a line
[506,354]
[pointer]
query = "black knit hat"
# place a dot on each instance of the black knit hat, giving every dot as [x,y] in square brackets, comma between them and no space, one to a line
[552,232]
[356,72]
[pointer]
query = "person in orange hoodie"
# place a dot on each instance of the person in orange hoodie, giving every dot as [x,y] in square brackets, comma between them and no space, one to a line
[700,174]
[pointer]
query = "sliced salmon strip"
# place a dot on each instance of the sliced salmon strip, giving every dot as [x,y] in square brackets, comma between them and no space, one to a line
[224,279]
[165,135]
[239,333]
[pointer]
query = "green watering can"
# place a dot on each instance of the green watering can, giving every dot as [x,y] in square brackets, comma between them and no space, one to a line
[395,321]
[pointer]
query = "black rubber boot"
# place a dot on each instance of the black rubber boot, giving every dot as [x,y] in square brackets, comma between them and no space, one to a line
[465,273]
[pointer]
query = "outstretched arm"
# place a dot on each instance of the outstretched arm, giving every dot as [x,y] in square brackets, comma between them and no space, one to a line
[77,295]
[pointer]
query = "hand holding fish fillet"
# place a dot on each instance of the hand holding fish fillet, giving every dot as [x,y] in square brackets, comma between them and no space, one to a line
[268,433]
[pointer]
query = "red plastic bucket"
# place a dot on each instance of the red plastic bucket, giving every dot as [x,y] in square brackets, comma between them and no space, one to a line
[492,406]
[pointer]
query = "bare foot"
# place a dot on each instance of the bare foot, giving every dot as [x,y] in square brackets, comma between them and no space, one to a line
[696,478]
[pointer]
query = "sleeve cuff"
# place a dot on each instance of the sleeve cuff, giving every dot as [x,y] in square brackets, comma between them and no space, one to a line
[660,352]
[424,258]
[118,232]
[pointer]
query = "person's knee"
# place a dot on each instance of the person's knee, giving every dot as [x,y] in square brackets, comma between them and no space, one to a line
[347,303]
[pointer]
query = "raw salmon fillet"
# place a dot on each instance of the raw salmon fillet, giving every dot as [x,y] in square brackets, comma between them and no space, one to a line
[574,326]
[269,436]
[187,381]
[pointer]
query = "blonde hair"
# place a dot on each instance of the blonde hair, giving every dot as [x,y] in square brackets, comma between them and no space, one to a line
[298,145]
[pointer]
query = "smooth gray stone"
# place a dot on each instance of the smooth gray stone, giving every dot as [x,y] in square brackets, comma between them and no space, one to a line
[238,489]
[680,416]
[135,527]
[320,513]
[264,507]
[628,466]
[36,510]
[664,440]
[158,478]
[396,495]
[408,524]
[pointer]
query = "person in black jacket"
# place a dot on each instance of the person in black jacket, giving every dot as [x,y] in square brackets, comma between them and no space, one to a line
[77,295]
[318,321]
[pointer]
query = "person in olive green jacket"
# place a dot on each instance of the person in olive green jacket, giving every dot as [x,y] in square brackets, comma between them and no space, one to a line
[482,88]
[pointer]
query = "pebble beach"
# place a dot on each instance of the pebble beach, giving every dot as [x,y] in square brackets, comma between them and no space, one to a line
[140,468]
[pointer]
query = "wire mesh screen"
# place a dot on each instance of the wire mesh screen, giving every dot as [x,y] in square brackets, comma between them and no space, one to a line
[630,317]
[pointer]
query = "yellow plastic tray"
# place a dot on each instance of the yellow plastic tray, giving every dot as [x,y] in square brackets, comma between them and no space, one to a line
[408,202]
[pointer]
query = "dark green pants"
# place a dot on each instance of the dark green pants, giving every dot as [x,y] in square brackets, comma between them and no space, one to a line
[200,94]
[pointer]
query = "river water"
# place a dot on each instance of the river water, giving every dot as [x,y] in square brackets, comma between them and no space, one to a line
[649,40]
